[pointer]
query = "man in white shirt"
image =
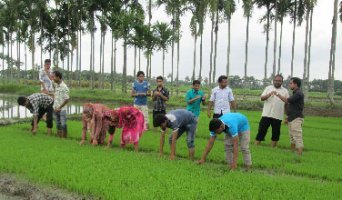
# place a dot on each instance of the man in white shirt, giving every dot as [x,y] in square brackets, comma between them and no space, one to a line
[273,111]
[222,98]
[61,95]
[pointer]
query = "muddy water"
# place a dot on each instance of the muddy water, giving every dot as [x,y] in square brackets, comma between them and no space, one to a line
[9,108]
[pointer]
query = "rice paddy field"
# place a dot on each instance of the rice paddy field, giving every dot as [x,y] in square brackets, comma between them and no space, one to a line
[113,173]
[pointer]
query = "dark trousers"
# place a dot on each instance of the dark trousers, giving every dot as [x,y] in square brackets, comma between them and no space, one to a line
[156,112]
[49,114]
[264,124]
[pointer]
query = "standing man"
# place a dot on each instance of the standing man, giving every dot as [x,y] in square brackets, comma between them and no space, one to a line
[45,78]
[179,121]
[222,97]
[273,111]
[38,104]
[194,98]
[61,96]
[235,127]
[295,115]
[159,96]
[140,92]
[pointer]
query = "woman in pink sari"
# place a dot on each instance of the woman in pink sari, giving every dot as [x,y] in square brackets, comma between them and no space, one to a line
[131,120]
[97,118]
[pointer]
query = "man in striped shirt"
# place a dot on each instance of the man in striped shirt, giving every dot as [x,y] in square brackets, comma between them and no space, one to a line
[38,104]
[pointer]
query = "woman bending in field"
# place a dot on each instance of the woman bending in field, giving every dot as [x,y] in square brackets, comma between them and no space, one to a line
[131,120]
[99,119]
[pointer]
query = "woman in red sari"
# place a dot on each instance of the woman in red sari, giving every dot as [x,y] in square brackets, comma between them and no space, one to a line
[96,118]
[131,120]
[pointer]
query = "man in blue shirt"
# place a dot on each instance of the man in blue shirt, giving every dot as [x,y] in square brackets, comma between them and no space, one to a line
[194,98]
[140,92]
[235,126]
[179,121]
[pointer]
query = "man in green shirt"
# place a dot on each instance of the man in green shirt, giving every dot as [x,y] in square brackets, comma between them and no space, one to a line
[194,98]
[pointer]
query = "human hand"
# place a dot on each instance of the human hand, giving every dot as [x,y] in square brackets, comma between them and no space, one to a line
[34,130]
[233,166]
[200,162]
[204,98]
[57,110]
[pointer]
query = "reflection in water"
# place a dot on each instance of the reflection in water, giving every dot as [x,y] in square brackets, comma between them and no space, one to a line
[10,109]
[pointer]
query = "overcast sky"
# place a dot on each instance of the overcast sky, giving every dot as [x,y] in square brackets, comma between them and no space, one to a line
[321,37]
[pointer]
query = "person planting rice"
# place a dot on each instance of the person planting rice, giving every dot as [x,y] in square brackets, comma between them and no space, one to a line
[38,104]
[96,118]
[132,122]
[179,121]
[235,126]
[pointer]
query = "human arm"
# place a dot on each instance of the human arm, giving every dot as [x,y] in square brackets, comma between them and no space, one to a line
[210,105]
[266,96]
[233,165]
[161,143]
[173,144]
[233,105]
[84,130]
[97,128]
[35,122]
[208,148]
[203,99]
[62,105]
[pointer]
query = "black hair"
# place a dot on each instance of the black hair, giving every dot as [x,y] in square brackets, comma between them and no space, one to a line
[140,73]
[279,75]
[160,78]
[58,74]
[220,79]
[196,82]
[47,61]
[159,119]
[214,124]
[21,100]
[297,81]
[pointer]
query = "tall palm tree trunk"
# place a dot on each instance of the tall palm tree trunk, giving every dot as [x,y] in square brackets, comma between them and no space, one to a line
[201,57]
[80,61]
[114,60]
[163,62]
[280,42]
[266,47]
[33,49]
[246,47]
[112,63]
[275,39]
[194,61]
[309,51]
[215,47]
[135,61]
[177,78]
[305,76]
[293,36]
[332,57]
[211,47]
[101,72]
[228,50]
[124,70]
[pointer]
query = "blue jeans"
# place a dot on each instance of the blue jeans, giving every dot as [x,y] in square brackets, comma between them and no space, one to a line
[61,120]
[190,129]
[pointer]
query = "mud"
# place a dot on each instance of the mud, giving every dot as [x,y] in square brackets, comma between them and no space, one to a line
[12,189]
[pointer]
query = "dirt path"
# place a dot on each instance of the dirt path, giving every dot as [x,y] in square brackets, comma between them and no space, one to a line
[12,189]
